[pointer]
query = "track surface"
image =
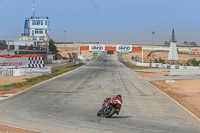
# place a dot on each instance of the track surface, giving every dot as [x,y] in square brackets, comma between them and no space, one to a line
[69,103]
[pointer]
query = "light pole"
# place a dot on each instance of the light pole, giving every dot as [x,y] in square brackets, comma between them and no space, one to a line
[65,37]
[153,35]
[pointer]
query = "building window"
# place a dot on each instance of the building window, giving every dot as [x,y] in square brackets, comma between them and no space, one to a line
[41,38]
[46,31]
[45,22]
[34,38]
[38,22]
[34,22]
[42,22]
[32,32]
[38,31]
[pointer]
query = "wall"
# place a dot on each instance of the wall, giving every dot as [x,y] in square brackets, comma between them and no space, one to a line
[35,71]
[24,71]
[178,72]
[57,67]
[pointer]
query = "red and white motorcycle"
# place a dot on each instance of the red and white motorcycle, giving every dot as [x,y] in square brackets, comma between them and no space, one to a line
[109,108]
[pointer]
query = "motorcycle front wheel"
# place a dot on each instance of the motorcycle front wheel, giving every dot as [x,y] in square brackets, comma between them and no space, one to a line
[99,113]
[112,112]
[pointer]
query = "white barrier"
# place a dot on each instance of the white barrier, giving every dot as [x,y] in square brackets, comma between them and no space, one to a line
[176,72]
[189,67]
[159,65]
[60,61]
[25,71]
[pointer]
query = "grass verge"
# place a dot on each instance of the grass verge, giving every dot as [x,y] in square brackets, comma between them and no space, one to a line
[95,54]
[129,65]
[38,79]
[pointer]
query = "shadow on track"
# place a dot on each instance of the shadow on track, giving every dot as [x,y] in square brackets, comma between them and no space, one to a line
[120,117]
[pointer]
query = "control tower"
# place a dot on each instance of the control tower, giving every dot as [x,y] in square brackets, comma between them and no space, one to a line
[36,28]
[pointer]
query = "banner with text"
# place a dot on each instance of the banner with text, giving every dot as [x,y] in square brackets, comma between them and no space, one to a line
[96,48]
[14,62]
[124,48]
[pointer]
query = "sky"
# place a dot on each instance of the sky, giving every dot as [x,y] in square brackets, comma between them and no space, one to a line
[106,21]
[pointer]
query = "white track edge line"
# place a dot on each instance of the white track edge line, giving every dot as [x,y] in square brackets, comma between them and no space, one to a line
[31,88]
[197,118]
[171,99]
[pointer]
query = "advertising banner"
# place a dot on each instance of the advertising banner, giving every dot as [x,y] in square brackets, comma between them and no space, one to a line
[124,48]
[96,48]
[14,62]
[19,61]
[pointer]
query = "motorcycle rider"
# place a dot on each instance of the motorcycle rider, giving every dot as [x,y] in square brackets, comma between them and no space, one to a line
[117,98]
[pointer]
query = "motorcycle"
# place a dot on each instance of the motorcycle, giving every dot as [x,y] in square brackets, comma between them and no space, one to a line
[109,109]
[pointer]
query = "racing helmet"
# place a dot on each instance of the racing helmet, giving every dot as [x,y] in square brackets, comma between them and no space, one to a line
[118,96]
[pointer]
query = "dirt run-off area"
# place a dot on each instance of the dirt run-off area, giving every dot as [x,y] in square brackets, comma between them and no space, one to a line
[6,129]
[185,92]
[13,79]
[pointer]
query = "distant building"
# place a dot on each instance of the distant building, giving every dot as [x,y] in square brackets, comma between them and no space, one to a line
[186,43]
[34,40]
[36,28]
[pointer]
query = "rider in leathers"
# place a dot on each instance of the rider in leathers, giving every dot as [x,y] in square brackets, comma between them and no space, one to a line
[118,98]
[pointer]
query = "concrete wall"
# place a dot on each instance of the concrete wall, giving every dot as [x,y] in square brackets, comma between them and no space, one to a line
[179,72]
[25,71]
[60,61]
[36,71]
[60,66]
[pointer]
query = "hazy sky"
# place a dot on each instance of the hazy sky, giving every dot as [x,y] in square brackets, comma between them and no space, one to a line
[110,21]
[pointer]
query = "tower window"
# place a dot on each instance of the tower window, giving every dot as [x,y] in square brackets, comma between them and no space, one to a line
[34,22]
[38,22]
[38,31]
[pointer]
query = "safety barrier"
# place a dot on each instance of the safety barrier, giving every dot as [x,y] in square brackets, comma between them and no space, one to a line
[25,71]
[60,66]
[179,72]
[35,71]
[6,72]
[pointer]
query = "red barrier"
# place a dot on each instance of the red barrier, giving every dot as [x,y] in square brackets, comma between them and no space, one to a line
[110,48]
[19,56]
[195,49]
[136,48]
[84,47]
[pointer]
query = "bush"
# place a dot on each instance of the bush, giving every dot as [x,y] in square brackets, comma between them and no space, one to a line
[193,62]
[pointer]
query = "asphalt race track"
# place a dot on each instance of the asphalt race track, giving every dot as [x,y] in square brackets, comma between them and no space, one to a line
[69,103]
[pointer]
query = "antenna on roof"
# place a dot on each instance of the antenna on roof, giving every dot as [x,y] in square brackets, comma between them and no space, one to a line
[173,39]
[33,8]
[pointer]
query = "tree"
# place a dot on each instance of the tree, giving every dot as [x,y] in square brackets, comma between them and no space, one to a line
[185,42]
[193,43]
[52,47]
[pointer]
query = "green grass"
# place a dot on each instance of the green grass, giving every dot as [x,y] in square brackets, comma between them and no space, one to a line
[35,80]
[131,66]
[95,54]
